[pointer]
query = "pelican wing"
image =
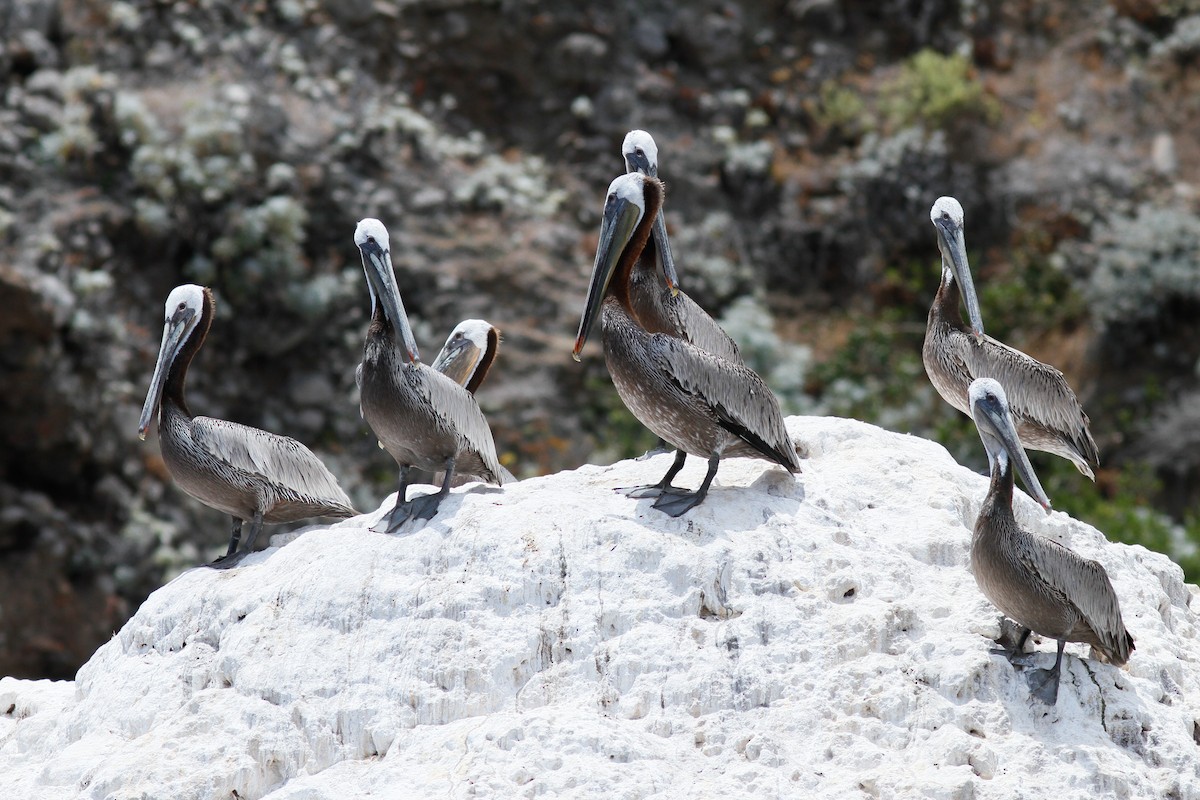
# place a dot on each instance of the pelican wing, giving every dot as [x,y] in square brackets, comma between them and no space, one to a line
[278,460]
[1037,393]
[740,399]
[462,413]
[696,326]
[1084,584]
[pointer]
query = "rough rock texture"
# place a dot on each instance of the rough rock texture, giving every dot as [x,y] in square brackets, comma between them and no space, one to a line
[811,637]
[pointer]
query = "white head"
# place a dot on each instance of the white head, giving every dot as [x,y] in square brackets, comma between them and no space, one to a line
[640,152]
[946,210]
[473,330]
[188,297]
[372,229]
[628,187]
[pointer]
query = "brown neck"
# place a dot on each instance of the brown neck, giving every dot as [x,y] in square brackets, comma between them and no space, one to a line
[618,288]
[177,377]
[1000,490]
[485,361]
[945,302]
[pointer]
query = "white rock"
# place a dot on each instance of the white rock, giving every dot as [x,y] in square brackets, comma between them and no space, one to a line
[812,638]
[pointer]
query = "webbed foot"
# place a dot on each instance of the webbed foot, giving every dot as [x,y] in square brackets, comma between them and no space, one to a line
[228,561]
[677,503]
[650,490]
[1043,685]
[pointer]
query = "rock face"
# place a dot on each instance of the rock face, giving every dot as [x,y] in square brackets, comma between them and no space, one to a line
[816,637]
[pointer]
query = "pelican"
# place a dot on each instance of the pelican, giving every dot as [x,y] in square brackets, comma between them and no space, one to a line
[468,353]
[1039,583]
[1047,413]
[247,473]
[663,307]
[420,416]
[698,402]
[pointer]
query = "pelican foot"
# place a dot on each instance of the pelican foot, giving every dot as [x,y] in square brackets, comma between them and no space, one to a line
[676,503]
[641,492]
[425,506]
[1016,659]
[392,520]
[1043,685]
[228,561]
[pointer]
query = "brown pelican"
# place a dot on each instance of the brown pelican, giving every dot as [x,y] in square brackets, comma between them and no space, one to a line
[247,473]
[662,307]
[1037,582]
[468,353]
[700,403]
[1047,413]
[421,417]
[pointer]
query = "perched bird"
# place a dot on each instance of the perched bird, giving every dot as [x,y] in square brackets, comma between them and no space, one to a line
[420,416]
[1047,414]
[1037,582]
[698,402]
[469,353]
[247,473]
[658,303]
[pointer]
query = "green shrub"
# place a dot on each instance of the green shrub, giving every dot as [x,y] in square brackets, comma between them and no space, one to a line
[937,90]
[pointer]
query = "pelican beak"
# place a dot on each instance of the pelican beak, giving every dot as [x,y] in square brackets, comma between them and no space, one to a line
[457,360]
[621,217]
[377,263]
[640,162]
[175,332]
[663,247]
[995,421]
[953,247]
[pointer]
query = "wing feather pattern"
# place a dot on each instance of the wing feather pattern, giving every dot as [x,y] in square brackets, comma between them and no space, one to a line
[1038,394]
[1084,584]
[462,413]
[287,465]
[740,399]
[696,326]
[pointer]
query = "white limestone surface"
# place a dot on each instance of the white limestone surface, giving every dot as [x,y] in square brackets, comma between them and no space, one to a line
[817,637]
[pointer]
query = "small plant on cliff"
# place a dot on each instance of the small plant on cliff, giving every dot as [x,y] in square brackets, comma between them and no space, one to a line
[937,90]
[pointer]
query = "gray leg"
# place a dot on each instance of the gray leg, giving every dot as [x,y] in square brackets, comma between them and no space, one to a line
[423,507]
[399,513]
[662,487]
[679,502]
[232,559]
[234,537]
[1043,683]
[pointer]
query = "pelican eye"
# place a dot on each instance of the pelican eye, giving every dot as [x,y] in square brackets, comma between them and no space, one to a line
[371,239]
[183,305]
[458,335]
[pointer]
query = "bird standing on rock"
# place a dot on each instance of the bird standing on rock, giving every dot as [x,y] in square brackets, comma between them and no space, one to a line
[420,416]
[247,473]
[698,402]
[1043,586]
